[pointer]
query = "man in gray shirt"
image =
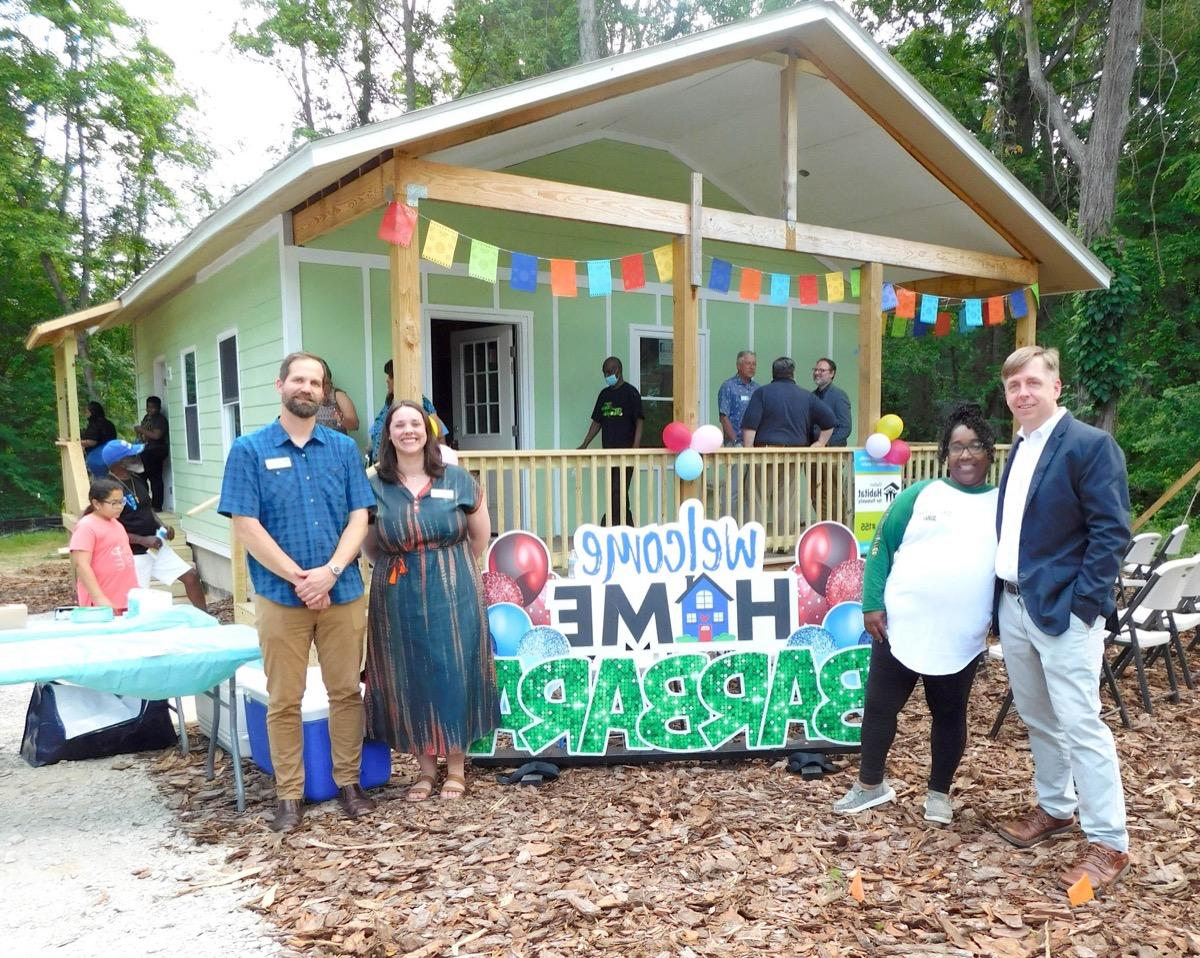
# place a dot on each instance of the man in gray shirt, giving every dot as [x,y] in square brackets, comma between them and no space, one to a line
[824,371]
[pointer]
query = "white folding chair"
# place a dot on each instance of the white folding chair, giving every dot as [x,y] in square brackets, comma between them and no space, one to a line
[1139,557]
[1153,606]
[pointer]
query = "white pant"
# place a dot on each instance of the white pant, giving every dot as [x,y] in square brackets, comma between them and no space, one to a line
[1055,682]
[162,564]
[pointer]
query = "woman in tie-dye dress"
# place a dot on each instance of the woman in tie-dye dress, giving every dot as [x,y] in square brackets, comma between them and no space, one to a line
[431,684]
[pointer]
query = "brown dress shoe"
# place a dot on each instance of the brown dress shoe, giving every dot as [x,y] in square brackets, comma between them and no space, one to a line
[1034,827]
[1103,866]
[289,812]
[354,800]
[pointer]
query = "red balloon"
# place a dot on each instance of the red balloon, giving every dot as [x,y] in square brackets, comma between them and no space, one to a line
[522,557]
[538,613]
[497,587]
[821,549]
[846,581]
[810,606]
[899,453]
[676,436]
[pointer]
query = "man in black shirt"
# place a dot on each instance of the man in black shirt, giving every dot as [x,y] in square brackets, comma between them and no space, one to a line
[782,414]
[617,416]
[152,557]
[153,434]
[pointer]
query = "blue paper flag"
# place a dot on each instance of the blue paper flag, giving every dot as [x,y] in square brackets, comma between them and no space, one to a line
[963,325]
[599,277]
[920,329]
[929,309]
[889,298]
[1017,305]
[524,272]
[974,312]
[720,275]
[781,289]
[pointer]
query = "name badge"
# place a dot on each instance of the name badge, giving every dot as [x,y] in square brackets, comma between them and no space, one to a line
[441,493]
[744,398]
[279,462]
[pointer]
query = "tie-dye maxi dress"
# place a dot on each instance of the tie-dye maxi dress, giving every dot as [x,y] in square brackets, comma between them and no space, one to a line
[431,681]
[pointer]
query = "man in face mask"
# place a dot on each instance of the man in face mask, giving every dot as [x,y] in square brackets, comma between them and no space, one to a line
[152,557]
[617,416]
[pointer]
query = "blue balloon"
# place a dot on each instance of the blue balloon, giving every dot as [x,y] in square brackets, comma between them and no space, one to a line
[507,622]
[541,643]
[689,465]
[812,637]
[845,623]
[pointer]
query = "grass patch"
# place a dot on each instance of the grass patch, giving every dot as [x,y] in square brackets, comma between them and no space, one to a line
[30,548]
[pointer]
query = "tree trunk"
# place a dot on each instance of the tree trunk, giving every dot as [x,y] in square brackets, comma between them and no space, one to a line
[410,54]
[366,75]
[589,32]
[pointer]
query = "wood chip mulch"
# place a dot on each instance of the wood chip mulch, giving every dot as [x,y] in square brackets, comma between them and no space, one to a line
[690,859]
[42,588]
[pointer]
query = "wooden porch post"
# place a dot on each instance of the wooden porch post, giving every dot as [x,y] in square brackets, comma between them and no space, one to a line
[404,283]
[74,472]
[870,349]
[1027,325]
[685,324]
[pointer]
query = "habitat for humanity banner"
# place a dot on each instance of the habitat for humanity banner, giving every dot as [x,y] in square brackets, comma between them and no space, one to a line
[673,638]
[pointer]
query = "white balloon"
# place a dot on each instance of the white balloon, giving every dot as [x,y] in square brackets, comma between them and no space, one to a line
[877,445]
[449,456]
[708,438]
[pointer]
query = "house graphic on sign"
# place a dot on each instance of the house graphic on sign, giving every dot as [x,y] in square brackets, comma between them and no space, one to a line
[890,491]
[705,609]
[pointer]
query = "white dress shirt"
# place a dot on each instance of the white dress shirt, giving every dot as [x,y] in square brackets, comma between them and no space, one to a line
[1016,493]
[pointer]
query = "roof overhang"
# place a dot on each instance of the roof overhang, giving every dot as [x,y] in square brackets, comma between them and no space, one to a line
[54,330]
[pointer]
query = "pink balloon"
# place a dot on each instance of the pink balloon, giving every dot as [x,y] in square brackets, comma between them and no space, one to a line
[810,605]
[538,613]
[899,454]
[821,549]
[449,456]
[846,582]
[708,438]
[676,436]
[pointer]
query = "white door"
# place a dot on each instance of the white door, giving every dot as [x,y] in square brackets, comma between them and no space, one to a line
[482,363]
[160,390]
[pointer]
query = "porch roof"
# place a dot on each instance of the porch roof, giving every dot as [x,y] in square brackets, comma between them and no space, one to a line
[881,155]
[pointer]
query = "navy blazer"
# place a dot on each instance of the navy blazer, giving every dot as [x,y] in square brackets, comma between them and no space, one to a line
[1075,528]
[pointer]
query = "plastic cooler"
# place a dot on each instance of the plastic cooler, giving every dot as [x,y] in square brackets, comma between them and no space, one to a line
[319,786]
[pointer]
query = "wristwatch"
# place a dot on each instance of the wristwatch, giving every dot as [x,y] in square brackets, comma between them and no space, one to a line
[335,569]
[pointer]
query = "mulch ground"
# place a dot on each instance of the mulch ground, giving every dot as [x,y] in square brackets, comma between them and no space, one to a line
[695,859]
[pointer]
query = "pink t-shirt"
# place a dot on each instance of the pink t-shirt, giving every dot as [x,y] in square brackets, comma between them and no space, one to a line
[112,559]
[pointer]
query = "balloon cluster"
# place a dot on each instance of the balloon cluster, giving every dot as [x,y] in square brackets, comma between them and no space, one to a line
[690,446]
[829,578]
[514,591]
[885,442]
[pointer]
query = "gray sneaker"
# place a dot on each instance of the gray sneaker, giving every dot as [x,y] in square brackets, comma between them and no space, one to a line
[938,808]
[860,798]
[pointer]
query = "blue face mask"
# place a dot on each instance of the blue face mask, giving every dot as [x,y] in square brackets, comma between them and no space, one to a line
[610,380]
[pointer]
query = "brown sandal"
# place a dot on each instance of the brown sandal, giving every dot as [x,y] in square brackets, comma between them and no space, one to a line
[422,789]
[453,788]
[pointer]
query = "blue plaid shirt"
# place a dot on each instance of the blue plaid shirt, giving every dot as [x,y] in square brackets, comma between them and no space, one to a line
[732,399]
[302,496]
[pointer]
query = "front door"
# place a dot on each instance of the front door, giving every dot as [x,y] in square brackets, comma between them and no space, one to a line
[483,368]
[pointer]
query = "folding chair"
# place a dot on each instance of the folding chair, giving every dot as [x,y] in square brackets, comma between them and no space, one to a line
[1153,606]
[1136,566]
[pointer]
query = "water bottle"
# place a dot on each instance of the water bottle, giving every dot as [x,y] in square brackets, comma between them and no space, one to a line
[161,532]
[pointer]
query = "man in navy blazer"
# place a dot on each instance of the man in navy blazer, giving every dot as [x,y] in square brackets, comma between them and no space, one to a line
[1063,525]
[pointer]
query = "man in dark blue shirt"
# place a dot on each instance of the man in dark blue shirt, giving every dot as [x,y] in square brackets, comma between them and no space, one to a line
[824,371]
[298,498]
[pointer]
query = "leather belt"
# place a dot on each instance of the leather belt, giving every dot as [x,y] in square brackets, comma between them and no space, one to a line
[1011,587]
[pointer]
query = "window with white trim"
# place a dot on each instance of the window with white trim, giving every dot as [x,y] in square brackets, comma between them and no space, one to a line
[231,388]
[704,599]
[191,405]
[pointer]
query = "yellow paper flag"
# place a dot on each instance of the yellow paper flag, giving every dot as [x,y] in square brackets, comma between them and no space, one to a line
[835,288]
[1081,892]
[856,886]
[664,262]
[440,243]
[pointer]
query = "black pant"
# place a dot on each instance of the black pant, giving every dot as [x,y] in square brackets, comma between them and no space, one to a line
[152,461]
[889,684]
[615,481]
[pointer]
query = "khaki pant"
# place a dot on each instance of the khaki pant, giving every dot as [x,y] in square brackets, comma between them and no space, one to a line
[285,634]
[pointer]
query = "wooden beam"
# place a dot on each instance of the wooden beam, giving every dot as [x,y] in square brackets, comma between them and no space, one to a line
[357,198]
[53,330]
[870,349]
[685,336]
[696,244]
[404,284]
[1027,324]
[1167,496]
[961,287]
[789,140]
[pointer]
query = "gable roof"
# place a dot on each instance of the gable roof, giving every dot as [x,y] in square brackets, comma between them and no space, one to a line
[694,582]
[882,156]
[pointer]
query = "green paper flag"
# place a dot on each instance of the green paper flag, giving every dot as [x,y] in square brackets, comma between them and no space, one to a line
[482,264]
[1037,294]
[899,327]
[855,279]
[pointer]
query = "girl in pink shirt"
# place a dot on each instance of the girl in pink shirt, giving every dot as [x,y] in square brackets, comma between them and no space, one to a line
[99,546]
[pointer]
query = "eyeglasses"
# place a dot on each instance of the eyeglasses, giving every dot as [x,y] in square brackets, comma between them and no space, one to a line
[822,369]
[975,448]
[113,502]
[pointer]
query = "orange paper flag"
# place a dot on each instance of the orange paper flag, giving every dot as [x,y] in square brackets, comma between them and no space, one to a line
[751,287]
[562,277]
[906,303]
[1081,892]
[856,888]
[994,311]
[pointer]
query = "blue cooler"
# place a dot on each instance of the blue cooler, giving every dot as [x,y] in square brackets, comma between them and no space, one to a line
[314,714]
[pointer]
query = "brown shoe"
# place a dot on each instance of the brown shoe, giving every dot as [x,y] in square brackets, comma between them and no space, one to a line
[289,812]
[1103,866]
[354,800]
[1034,827]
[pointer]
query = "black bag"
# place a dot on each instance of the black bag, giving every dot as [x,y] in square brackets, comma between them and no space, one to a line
[45,741]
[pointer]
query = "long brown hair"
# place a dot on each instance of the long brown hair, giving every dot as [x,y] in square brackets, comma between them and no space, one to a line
[388,467]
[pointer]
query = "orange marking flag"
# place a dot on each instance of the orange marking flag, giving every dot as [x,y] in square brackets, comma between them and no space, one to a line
[1081,892]
[562,277]
[856,888]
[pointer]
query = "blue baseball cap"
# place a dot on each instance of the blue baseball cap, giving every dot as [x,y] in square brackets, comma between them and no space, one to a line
[119,449]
